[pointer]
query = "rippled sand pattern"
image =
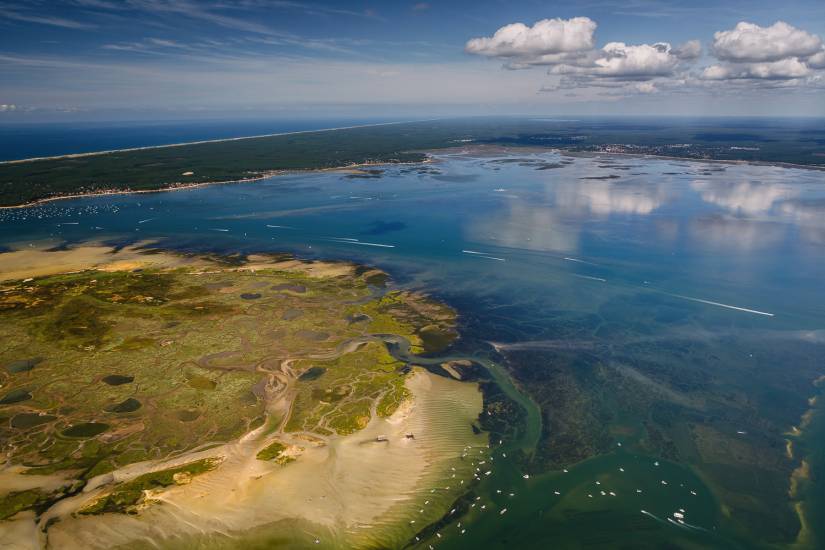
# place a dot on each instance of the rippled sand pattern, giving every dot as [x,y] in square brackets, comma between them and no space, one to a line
[353,492]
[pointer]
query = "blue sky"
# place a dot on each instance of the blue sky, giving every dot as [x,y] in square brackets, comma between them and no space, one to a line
[75,59]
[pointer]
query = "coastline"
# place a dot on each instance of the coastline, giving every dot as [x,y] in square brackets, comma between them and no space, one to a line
[429,153]
[201,142]
[181,186]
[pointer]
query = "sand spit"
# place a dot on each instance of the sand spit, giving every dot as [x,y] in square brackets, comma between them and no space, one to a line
[204,141]
[40,261]
[352,492]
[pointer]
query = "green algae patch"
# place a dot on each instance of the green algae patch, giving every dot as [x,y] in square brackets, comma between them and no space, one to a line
[393,399]
[125,497]
[275,452]
[79,322]
[188,415]
[341,400]
[200,382]
[135,343]
[15,502]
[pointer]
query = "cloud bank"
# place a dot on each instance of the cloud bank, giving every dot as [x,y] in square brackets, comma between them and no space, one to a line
[777,52]
[779,55]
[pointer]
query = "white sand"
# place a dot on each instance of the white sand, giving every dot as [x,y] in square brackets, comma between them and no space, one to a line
[349,493]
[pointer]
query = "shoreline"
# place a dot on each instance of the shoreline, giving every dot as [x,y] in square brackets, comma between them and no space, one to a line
[180,186]
[204,141]
[777,164]
[429,153]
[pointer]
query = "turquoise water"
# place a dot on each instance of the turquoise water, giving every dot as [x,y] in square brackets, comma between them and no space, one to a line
[665,305]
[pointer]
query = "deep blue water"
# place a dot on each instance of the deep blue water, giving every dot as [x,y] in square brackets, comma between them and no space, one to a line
[729,258]
[19,141]
[747,236]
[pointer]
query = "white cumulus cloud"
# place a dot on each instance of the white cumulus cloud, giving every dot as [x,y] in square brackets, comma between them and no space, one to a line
[545,37]
[748,42]
[690,50]
[642,61]
[775,70]
[778,52]
[567,47]
[817,61]
[748,56]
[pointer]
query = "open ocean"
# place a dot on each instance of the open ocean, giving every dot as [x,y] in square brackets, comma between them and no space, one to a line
[21,141]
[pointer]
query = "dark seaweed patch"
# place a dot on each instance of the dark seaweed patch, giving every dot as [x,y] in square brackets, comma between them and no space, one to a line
[457,178]
[23,365]
[250,296]
[366,174]
[15,396]
[312,373]
[30,420]
[434,338]
[380,227]
[377,279]
[87,429]
[128,405]
[118,379]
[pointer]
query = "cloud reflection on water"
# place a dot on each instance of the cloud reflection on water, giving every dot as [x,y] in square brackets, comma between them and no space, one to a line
[552,221]
[742,197]
[605,198]
[743,208]
[758,213]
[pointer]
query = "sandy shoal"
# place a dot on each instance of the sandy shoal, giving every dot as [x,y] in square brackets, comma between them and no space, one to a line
[352,492]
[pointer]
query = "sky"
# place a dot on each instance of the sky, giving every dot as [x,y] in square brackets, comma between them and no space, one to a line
[168,59]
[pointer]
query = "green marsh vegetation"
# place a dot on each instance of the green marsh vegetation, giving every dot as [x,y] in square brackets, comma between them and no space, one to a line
[102,369]
[126,496]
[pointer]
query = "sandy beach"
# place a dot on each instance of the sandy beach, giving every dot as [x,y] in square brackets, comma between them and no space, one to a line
[350,492]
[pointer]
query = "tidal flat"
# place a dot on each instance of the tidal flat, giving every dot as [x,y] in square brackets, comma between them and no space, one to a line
[158,400]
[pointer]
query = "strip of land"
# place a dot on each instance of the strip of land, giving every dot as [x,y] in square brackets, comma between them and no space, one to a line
[244,159]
